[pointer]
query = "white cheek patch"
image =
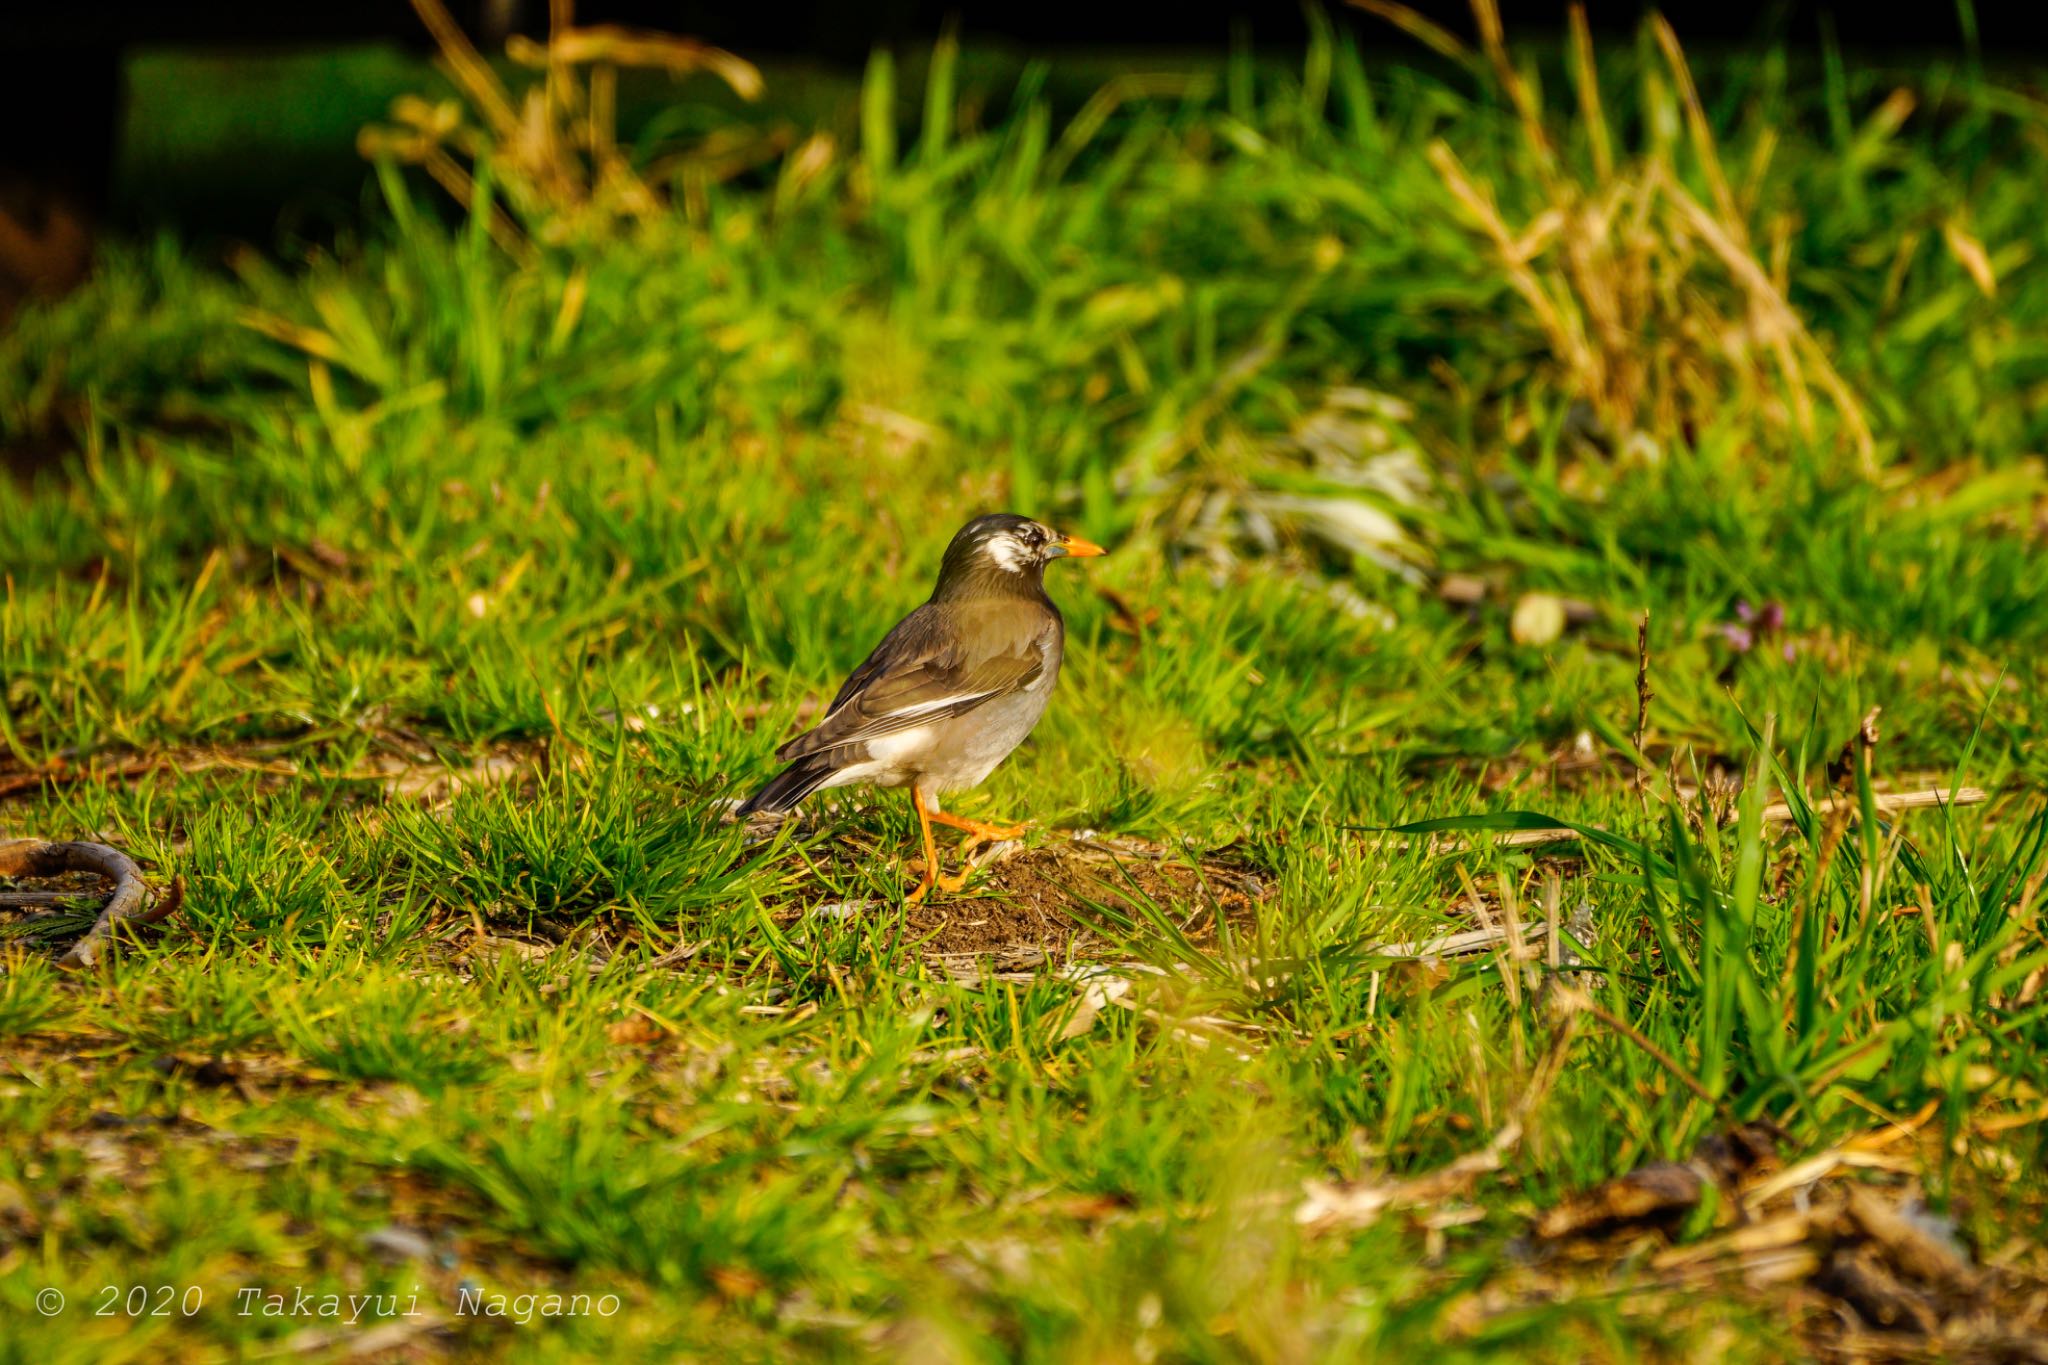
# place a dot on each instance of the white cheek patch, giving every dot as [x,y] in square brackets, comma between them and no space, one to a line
[1006,553]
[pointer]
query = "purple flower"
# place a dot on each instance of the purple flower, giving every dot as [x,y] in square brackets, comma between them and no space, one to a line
[1753,625]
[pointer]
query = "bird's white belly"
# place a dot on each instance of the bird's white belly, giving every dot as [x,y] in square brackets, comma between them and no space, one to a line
[966,749]
[956,753]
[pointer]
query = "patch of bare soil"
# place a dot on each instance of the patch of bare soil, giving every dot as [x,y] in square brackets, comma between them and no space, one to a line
[1056,899]
[1047,897]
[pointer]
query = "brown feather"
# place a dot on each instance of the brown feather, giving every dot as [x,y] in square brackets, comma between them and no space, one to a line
[972,649]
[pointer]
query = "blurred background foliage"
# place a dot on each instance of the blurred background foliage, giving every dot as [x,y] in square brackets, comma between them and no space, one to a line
[1609,332]
[1247,304]
[630,400]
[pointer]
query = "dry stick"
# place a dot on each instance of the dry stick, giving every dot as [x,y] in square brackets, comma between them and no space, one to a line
[12,784]
[1889,803]
[1579,1000]
[1643,695]
[1553,892]
[1456,945]
[1859,760]
[128,902]
[1777,813]
[1330,1207]
[61,772]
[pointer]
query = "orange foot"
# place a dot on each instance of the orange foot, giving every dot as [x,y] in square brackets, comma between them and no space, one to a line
[925,884]
[982,831]
[979,832]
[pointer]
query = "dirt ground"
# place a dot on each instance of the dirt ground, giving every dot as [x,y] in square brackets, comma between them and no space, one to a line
[1056,895]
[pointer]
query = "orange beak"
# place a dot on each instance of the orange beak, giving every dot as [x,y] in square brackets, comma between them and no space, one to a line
[1079,548]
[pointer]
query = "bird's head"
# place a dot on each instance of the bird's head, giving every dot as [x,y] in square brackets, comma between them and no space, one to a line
[1003,547]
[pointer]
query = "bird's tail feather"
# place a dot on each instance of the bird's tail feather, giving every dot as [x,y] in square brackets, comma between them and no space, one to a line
[791,785]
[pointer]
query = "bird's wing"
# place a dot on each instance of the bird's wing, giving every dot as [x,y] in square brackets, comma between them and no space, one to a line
[921,672]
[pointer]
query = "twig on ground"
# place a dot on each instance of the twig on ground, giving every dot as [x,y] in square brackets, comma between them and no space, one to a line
[1777,813]
[1890,803]
[60,773]
[1643,695]
[1328,1205]
[128,902]
[1459,944]
[1578,1000]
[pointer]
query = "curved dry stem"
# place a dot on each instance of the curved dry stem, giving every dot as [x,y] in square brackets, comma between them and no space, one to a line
[128,901]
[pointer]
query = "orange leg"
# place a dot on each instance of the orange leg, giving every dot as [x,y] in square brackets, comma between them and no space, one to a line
[979,832]
[953,885]
[982,830]
[931,848]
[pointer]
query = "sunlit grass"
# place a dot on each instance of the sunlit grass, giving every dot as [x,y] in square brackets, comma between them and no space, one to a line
[578,523]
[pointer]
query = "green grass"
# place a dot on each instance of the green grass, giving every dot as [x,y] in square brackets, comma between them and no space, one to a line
[591,519]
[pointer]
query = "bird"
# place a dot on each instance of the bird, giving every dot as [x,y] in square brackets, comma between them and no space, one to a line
[949,693]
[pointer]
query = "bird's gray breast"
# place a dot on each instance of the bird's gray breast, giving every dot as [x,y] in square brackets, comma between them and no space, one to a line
[968,747]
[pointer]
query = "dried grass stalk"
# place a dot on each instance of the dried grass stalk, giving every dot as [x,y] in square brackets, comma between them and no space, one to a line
[552,149]
[1653,302]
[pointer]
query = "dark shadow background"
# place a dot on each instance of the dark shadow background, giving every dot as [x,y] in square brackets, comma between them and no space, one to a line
[845,31]
[67,65]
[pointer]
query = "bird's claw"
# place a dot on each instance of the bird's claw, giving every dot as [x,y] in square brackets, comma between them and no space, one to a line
[979,836]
